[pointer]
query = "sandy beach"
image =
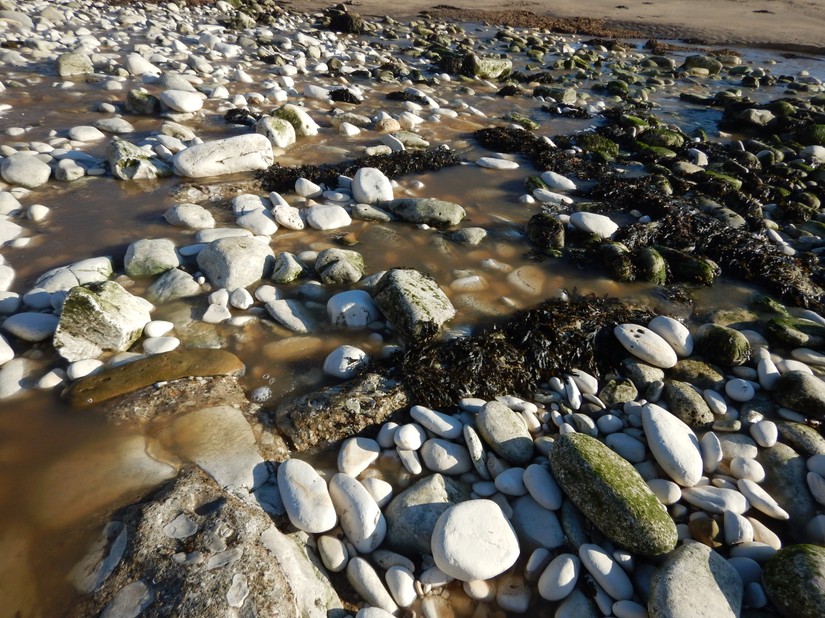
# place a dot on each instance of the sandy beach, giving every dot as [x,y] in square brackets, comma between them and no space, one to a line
[792,24]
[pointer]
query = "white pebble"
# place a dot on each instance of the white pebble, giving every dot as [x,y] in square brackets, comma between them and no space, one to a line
[740,390]
[605,571]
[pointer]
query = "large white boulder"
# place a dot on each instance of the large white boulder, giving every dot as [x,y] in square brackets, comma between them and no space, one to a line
[242,153]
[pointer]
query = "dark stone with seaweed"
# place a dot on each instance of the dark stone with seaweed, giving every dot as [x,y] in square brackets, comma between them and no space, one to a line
[279,178]
[344,95]
[242,116]
[546,232]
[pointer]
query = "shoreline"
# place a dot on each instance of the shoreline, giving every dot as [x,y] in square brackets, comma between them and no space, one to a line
[783,25]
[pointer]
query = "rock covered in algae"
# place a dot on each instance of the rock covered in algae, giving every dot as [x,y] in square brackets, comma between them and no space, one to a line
[695,582]
[413,302]
[794,579]
[612,495]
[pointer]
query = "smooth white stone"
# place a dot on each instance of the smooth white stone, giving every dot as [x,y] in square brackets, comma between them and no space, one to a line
[288,216]
[646,345]
[557,182]
[666,491]
[401,583]
[609,423]
[808,356]
[357,454]
[215,314]
[386,435]
[816,463]
[768,373]
[437,422]
[82,368]
[352,309]
[511,482]
[716,499]
[543,487]
[182,100]
[788,364]
[241,153]
[512,594]
[6,351]
[157,328]
[481,590]
[306,497]
[628,609]
[333,553]
[435,577]
[240,298]
[626,446]
[328,217]
[711,450]
[31,326]
[385,559]
[307,188]
[410,436]
[761,500]
[366,582]
[473,540]
[740,390]
[817,486]
[593,223]
[409,459]
[380,490]
[765,433]
[345,362]
[371,186]
[674,332]
[160,345]
[606,572]
[359,514]
[747,468]
[673,445]
[550,197]
[259,222]
[445,457]
[559,578]
[737,529]
[496,163]
[716,402]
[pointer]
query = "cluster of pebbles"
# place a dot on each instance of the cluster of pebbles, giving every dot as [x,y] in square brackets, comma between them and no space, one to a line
[686,483]
[601,506]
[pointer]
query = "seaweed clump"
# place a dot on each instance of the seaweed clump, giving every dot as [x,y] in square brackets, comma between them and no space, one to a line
[393,165]
[517,356]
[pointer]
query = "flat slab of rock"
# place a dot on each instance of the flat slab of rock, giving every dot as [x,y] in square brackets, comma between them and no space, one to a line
[322,418]
[144,372]
[257,569]
[612,495]
[413,302]
[242,153]
[695,581]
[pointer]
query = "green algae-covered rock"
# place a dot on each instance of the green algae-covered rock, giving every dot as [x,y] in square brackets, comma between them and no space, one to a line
[709,63]
[686,404]
[796,332]
[689,268]
[546,232]
[612,495]
[794,579]
[803,439]
[437,213]
[801,392]
[695,582]
[598,145]
[664,138]
[813,135]
[650,266]
[490,68]
[617,260]
[722,345]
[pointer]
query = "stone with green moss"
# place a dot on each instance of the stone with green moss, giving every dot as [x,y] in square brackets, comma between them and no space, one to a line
[335,266]
[561,95]
[598,145]
[522,120]
[546,232]
[803,439]
[490,68]
[698,373]
[722,345]
[98,317]
[434,212]
[618,261]
[664,138]
[413,302]
[766,304]
[794,580]
[650,266]
[686,404]
[612,495]
[724,179]
[813,135]
[618,392]
[796,332]
[709,63]
[688,268]
[140,102]
[531,183]
[801,392]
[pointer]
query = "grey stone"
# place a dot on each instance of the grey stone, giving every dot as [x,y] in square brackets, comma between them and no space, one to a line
[287,268]
[785,481]
[686,404]
[505,432]
[130,162]
[73,63]
[101,558]
[436,213]
[235,262]
[722,345]
[695,581]
[411,515]
[171,285]
[535,525]
[147,257]
[190,215]
[336,266]
[25,170]
[412,302]
[198,575]
[98,317]
[140,102]
[802,392]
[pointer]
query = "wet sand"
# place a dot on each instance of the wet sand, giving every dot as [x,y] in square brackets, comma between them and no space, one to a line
[791,24]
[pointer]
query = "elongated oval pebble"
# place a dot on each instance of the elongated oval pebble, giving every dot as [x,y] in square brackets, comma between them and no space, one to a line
[673,444]
[360,516]
[666,491]
[646,345]
[711,450]
[747,468]
[559,578]
[816,463]
[604,570]
[716,499]
[768,373]
[715,401]
[366,582]
[543,487]
[817,486]
[440,424]
[764,433]
[306,497]
[674,332]
[761,500]
[737,529]
[333,553]
[401,583]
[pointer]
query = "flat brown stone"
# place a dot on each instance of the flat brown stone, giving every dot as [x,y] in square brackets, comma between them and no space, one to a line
[138,374]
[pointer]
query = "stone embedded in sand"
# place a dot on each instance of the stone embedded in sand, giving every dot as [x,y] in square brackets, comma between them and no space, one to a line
[98,317]
[116,381]
[241,153]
